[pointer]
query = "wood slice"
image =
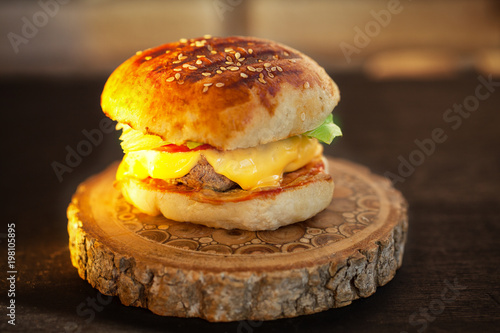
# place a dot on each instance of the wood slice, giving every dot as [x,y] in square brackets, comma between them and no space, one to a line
[188,270]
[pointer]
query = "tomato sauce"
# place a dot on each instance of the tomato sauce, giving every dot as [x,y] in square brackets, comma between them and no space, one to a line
[171,148]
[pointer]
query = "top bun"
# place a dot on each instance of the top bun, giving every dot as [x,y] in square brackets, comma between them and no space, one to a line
[233,92]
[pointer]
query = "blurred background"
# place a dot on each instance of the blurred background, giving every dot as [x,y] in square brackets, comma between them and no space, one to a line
[418,38]
[404,67]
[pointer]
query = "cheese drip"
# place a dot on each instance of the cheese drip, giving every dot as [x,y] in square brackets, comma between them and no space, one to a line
[261,166]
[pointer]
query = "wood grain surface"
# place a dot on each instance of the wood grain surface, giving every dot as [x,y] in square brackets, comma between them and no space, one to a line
[190,270]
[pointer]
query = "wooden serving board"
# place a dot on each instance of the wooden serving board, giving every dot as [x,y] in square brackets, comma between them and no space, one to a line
[189,270]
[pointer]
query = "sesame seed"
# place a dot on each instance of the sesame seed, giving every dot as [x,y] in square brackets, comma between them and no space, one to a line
[208,84]
[223,68]
[259,69]
[251,68]
[170,79]
[229,58]
[183,40]
[243,75]
[273,68]
[271,75]
[179,56]
[286,53]
[241,59]
[267,65]
[238,63]
[180,82]
[213,52]
[207,36]
[177,76]
[185,65]
[228,49]
[177,69]
[193,68]
[218,71]
[261,75]
[200,56]
[209,47]
[261,80]
[176,62]
[279,68]
[260,60]
[306,85]
[229,63]
[206,74]
[292,60]
[234,68]
[205,89]
[199,62]
[167,51]
[219,84]
[148,58]
[237,55]
[250,51]
[138,53]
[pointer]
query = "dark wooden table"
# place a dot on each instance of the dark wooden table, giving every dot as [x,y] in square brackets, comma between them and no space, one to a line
[445,162]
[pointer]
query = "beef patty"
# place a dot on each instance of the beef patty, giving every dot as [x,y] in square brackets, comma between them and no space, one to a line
[203,175]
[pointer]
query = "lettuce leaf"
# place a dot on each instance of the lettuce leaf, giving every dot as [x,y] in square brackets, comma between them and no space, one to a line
[325,132]
[192,144]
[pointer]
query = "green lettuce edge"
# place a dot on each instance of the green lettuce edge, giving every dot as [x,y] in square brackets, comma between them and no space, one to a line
[193,144]
[325,132]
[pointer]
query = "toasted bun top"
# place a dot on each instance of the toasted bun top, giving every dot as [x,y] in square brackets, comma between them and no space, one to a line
[233,92]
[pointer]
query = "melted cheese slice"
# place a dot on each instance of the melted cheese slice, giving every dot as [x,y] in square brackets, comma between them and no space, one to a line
[261,166]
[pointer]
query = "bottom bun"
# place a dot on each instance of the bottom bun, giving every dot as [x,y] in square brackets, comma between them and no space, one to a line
[303,194]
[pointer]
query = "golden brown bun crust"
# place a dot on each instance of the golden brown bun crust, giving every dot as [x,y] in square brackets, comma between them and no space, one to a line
[305,193]
[270,92]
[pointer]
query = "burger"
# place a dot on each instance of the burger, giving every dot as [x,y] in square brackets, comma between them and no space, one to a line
[224,132]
